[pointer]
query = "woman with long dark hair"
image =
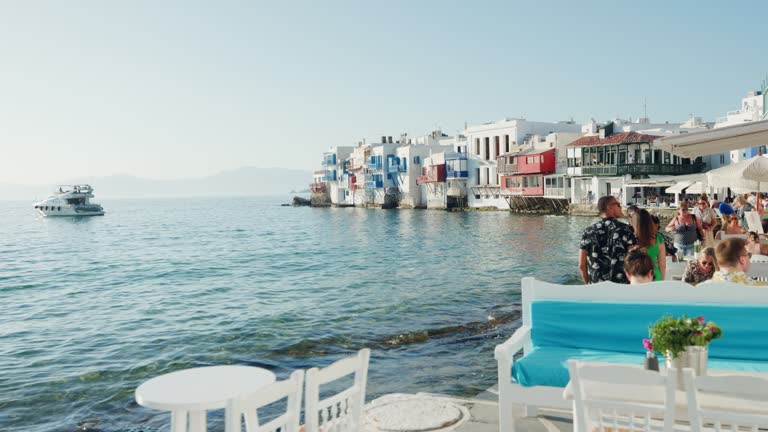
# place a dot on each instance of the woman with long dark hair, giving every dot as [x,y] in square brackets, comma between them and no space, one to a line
[648,237]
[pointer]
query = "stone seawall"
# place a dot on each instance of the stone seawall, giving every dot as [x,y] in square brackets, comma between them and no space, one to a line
[665,214]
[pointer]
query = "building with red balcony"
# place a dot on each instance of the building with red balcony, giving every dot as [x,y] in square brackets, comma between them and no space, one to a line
[522,180]
[432,174]
[525,172]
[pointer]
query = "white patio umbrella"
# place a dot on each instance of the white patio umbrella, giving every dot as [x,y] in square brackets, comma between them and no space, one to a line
[750,175]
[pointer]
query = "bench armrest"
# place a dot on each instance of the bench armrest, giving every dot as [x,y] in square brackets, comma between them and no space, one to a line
[511,346]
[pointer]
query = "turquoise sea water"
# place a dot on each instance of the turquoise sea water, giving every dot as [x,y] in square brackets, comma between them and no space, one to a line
[93,307]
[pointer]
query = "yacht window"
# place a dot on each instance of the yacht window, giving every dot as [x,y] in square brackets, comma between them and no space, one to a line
[59,208]
[46,208]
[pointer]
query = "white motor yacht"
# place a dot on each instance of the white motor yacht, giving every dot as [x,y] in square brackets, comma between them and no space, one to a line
[69,200]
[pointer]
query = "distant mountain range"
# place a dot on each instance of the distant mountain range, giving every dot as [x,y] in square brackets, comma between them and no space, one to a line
[246,181]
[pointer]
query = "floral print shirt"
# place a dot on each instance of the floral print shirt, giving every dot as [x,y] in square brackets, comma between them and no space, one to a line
[606,243]
[735,277]
[694,274]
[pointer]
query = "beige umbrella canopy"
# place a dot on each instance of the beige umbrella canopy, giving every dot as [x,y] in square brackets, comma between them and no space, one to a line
[750,175]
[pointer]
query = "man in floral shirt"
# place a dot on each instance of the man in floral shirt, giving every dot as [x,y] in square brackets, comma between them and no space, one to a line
[734,261]
[604,245]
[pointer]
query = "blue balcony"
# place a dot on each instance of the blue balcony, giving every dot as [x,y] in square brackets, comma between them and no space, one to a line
[329,159]
[374,184]
[329,176]
[393,169]
[374,166]
[457,174]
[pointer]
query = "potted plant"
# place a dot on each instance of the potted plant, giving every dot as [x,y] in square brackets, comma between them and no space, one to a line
[683,341]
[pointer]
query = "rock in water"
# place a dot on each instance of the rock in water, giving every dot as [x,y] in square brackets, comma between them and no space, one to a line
[299,201]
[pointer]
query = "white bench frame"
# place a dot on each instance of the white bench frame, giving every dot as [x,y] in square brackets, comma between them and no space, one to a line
[536,397]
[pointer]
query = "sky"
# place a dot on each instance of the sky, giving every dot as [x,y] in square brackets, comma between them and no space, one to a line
[168,89]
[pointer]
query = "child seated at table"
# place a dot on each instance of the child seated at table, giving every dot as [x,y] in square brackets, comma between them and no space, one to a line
[638,266]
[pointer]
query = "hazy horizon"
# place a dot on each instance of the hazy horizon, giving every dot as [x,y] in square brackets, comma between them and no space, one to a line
[187,89]
[80,179]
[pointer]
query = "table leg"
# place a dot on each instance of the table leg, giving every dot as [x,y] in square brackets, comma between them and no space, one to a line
[197,421]
[179,421]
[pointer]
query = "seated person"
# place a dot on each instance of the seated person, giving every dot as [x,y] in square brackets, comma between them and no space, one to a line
[733,258]
[702,269]
[753,244]
[732,226]
[638,266]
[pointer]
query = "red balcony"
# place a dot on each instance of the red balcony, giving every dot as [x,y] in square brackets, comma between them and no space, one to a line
[525,185]
[432,174]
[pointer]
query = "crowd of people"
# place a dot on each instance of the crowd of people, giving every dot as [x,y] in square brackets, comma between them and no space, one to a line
[612,250]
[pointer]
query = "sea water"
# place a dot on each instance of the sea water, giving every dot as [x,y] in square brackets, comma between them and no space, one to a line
[92,307]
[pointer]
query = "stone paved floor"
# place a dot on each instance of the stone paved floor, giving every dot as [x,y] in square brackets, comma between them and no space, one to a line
[483,416]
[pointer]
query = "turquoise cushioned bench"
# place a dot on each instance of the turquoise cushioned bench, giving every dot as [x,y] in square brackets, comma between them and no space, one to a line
[613,332]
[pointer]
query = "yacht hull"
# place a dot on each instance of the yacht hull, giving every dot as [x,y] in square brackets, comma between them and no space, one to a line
[69,213]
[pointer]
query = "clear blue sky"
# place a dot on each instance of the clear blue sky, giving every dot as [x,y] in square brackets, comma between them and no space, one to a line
[170,89]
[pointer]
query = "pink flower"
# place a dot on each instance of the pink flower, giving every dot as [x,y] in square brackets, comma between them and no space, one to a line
[700,320]
[647,344]
[712,329]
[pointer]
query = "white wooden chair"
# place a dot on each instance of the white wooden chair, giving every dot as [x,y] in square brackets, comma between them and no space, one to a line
[724,236]
[247,407]
[618,398]
[675,270]
[757,258]
[343,411]
[738,403]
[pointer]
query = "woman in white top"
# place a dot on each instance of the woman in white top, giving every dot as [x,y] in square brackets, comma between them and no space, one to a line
[708,218]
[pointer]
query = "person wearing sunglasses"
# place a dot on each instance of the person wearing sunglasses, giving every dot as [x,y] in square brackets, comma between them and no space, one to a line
[733,259]
[733,226]
[701,269]
[708,217]
[686,229]
[604,245]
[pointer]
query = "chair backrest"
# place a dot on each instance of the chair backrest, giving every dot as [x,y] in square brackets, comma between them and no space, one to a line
[342,411]
[756,258]
[739,402]
[620,397]
[247,407]
[675,270]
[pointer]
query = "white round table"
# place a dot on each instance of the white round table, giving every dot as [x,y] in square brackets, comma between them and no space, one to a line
[194,391]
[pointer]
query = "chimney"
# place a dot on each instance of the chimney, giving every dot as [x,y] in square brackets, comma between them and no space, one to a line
[389,140]
[383,139]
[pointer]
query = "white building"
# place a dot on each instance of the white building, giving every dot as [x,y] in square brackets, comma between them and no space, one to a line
[336,175]
[487,142]
[751,110]
[406,168]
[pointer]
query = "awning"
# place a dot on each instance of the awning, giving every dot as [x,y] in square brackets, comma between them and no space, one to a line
[695,144]
[678,187]
[662,181]
[696,188]
[654,181]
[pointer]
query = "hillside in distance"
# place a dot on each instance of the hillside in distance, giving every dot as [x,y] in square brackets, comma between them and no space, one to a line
[246,181]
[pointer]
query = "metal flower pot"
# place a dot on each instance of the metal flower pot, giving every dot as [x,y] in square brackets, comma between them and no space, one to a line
[694,357]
